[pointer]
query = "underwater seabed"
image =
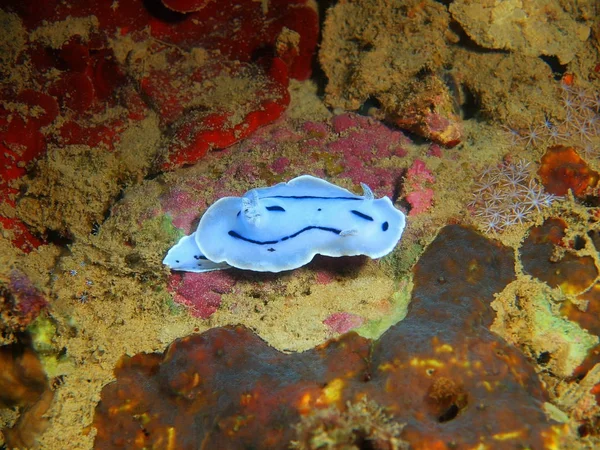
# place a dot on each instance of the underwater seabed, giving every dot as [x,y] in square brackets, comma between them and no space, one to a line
[121,124]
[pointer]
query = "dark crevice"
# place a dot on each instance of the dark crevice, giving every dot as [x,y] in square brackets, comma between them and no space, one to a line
[159,11]
[579,243]
[58,239]
[591,201]
[398,187]
[471,105]
[115,200]
[465,41]
[449,414]
[544,358]
[368,104]
[558,69]
[318,75]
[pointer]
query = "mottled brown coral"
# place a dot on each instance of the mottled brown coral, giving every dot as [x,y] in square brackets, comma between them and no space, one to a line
[563,169]
[440,371]
[23,384]
[545,256]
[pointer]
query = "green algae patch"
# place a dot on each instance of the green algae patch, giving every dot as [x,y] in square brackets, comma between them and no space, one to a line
[528,316]
[397,311]
[405,256]
[160,229]
[43,331]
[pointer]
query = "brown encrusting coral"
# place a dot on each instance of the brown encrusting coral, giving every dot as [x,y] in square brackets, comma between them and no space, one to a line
[23,385]
[562,169]
[440,372]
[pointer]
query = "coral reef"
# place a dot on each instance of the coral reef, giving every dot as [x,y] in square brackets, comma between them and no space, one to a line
[548,29]
[410,92]
[20,304]
[199,111]
[458,340]
[101,102]
[417,77]
[575,121]
[360,422]
[439,372]
[548,255]
[563,170]
[506,195]
[201,293]
[23,384]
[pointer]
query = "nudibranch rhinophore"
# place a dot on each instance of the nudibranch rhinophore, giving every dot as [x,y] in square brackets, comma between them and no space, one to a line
[283,227]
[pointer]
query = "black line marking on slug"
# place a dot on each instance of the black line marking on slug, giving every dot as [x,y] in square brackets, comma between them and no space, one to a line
[385,226]
[362,215]
[304,197]
[271,249]
[236,235]
[275,208]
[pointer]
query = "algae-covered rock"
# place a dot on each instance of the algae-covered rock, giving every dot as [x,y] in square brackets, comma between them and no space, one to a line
[530,27]
[527,317]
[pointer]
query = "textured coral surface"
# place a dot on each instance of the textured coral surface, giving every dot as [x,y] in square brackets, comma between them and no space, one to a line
[440,372]
[102,102]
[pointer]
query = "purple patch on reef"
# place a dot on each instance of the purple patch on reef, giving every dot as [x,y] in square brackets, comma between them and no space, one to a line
[280,164]
[200,292]
[316,129]
[183,208]
[342,322]
[29,301]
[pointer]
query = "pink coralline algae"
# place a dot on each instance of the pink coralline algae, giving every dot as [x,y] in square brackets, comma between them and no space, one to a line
[360,142]
[280,165]
[416,185]
[200,292]
[366,133]
[342,322]
[183,206]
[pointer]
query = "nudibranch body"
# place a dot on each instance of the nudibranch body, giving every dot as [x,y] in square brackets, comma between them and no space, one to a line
[283,227]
